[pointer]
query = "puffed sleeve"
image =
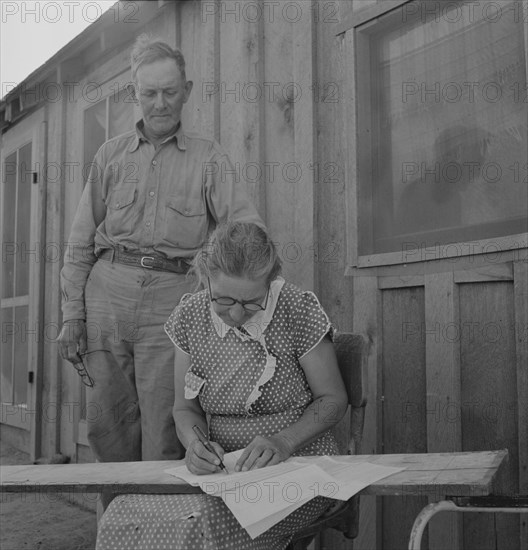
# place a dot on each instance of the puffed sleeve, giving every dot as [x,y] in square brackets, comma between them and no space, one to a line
[176,326]
[311,324]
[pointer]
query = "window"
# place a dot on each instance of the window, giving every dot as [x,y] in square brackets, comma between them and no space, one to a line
[109,117]
[16,220]
[106,119]
[441,126]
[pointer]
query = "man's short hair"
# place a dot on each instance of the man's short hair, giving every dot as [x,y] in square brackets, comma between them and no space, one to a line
[148,50]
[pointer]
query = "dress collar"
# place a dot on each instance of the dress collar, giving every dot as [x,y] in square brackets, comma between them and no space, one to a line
[254,328]
[139,136]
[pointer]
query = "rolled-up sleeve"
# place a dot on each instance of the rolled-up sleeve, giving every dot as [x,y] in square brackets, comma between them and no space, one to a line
[227,198]
[79,256]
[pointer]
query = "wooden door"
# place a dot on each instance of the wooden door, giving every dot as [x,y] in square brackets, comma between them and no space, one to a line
[23,255]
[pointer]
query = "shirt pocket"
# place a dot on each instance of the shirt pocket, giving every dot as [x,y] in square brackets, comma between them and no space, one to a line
[185,222]
[120,213]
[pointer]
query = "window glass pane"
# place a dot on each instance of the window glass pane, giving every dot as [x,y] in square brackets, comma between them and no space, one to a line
[94,132]
[8,229]
[121,113]
[6,355]
[24,254]
[21,354]
[449,129]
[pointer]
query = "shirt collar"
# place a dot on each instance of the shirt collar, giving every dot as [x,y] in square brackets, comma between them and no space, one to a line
[139,136]
[255,326]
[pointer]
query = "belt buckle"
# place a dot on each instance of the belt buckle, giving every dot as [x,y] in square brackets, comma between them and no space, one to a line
[142,262]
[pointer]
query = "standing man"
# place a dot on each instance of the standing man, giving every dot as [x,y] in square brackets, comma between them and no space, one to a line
[152,197]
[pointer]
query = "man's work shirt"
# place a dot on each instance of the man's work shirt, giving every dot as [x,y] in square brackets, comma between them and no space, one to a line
[160,201]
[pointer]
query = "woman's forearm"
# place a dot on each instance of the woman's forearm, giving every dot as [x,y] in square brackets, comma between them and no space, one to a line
[185,419]
[321,415]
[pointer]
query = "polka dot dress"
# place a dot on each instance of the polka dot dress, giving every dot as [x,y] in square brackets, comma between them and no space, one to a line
[249,381]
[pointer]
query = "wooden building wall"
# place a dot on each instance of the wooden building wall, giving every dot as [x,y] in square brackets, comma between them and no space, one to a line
[448,340]
[252,79]
[449,346]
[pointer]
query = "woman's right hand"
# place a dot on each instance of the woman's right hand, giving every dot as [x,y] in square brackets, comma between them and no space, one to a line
[200,461]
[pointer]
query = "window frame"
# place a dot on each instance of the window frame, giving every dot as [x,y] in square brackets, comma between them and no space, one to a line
[110,88]
[355,30]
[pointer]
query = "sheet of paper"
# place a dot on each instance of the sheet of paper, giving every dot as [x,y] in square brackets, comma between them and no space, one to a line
[182,472]
[261,498]
[256,529]
[252,502]
[352,478]
[214,484]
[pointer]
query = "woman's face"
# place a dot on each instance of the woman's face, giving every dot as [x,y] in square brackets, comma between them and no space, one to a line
[239,289]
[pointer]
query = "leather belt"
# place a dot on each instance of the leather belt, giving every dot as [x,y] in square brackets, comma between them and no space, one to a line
[178,265]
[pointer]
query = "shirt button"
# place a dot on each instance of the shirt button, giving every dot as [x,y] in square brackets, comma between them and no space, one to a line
[151,193]
[148,224]
[154,162]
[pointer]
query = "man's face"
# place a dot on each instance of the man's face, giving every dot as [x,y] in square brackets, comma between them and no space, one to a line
[161,92]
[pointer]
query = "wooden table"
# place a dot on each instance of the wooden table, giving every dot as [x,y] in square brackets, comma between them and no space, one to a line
[435,475]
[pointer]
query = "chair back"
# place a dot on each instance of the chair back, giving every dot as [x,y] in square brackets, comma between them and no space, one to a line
[352,352]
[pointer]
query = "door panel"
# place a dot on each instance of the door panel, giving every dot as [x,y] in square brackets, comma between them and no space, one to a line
[21,216]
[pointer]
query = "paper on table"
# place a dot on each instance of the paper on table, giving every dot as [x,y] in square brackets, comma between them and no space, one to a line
[214,484]
[182,472]
[341,481]
[351,478]
[276,497]
[261,498]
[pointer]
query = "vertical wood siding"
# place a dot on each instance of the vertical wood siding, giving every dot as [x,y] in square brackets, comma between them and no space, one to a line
[292,151]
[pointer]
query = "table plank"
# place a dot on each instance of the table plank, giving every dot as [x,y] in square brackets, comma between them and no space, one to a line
[433,474]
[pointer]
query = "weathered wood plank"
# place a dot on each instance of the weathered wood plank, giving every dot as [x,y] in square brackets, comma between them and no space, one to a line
[442,367]
[488,407]
[352,144]
[499,272]
[446,473]
[198,29]
[367,309]
[404,425]
[400,282]
[521,322]
[305,225]
[330,184]
[520,291]
[38,294]
[365,10]
[241,92]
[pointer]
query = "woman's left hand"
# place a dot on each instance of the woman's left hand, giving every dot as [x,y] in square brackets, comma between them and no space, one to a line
[264,451]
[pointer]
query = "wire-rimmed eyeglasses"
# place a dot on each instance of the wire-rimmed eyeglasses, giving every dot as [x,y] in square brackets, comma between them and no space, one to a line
[227,301]
[82,371]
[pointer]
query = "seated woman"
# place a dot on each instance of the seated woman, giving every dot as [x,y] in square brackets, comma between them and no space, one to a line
[255,369]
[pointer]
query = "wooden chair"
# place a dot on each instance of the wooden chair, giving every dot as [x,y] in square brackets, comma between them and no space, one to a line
[351,351]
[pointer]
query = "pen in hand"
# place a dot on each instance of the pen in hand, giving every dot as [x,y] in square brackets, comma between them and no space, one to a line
[207,444]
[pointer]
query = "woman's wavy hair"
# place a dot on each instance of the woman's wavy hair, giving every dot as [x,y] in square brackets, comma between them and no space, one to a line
[237,249]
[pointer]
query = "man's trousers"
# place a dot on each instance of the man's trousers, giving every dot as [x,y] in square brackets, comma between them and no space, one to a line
[131,360]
